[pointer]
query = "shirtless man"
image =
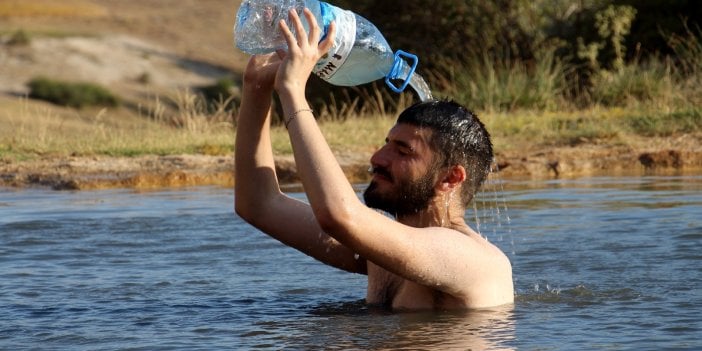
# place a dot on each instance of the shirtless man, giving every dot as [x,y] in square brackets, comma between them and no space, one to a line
[432,163]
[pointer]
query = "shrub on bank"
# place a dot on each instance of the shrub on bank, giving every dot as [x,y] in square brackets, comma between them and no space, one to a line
[70,94]
[518,54]
[19,38]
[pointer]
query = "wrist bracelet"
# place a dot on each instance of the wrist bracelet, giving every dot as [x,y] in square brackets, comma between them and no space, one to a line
[292,116]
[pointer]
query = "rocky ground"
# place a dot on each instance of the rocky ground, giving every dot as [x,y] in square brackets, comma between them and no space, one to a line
[76,173]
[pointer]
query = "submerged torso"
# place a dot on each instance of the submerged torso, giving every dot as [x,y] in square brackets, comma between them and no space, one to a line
[392,291]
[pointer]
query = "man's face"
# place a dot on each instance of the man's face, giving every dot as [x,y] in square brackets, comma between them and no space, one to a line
[404,178]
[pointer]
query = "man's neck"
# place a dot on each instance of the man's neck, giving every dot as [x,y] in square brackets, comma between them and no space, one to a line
[434,216]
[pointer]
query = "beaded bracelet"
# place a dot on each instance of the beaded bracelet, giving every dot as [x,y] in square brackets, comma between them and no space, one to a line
[292,116]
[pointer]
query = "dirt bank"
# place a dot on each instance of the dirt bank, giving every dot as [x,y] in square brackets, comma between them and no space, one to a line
[147,172]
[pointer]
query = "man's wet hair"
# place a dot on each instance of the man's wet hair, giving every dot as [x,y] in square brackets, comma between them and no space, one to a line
[458,138]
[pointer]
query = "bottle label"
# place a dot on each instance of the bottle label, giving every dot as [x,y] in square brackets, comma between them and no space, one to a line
[345,20]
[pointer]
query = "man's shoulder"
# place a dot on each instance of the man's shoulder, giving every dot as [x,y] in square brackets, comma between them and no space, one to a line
[468,239]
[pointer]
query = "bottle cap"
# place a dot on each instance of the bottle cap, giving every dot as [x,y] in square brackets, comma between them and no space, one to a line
[397,70]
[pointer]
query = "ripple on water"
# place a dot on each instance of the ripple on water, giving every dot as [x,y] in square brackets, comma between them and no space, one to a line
[580,295]
[597,265]
[29,226]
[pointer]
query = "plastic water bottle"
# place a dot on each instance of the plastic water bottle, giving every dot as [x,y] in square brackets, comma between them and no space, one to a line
[360,53]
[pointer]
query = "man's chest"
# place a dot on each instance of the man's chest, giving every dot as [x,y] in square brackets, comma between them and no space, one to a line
[390,290]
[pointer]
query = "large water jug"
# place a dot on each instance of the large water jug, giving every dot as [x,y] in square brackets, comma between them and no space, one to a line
[360,53]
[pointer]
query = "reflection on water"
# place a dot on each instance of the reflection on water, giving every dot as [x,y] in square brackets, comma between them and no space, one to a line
[599,263]
[358,327]
[489,329]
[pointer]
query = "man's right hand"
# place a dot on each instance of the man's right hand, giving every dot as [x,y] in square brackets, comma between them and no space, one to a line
[260,72]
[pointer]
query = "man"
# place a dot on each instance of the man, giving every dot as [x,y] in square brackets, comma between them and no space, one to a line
[434,160]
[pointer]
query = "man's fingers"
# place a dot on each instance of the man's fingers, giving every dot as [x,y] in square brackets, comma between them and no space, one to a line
[328,42]
[287,34]
[315,31]
[299,28]
[300,37]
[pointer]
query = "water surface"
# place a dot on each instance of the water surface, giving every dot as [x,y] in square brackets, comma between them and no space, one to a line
[599,263]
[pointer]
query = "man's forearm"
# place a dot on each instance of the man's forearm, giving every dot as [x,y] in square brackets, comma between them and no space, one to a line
[329,192]
[253,161]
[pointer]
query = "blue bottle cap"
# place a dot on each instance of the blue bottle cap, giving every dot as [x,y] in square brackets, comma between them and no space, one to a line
[397,70]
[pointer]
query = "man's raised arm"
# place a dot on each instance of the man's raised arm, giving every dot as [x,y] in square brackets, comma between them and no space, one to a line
[443,259]
[258,198]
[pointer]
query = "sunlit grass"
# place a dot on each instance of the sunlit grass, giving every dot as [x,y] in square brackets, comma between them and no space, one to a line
[361,135]
[521,130]
[184,123]
[34,130]
[30,129]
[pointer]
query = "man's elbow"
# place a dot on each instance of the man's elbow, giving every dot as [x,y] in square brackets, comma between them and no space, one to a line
[247,205]
[245,210]
[335,220]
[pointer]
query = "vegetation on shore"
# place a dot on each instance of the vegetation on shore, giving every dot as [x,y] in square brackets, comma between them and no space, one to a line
[33,131]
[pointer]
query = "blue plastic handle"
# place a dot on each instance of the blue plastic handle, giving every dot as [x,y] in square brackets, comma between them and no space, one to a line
[397,69]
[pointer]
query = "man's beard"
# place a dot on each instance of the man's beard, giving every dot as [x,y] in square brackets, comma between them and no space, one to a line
[406,198]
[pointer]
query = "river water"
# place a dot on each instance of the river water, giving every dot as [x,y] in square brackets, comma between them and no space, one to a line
[599,263]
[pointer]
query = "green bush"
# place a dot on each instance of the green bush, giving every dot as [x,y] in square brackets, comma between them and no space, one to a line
[590,35]
[666,124]
[640,81]
[543,54]
[498,84]
[71,94]
[441,32]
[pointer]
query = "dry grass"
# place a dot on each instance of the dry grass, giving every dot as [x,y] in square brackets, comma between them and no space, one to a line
[522,130]
[183,124]
[52,8]
[348,136]
[30,130]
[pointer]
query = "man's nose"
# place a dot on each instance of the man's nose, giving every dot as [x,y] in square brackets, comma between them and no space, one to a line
[379,158]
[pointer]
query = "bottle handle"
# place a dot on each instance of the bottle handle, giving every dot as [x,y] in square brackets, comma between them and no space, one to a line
[397,70]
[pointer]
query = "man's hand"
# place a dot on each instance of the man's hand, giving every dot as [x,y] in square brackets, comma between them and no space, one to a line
[304,50]
[261,70]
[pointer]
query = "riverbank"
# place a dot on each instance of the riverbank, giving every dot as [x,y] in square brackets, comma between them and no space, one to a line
[151,172]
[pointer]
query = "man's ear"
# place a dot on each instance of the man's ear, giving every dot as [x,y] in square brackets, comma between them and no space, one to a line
[453,177]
